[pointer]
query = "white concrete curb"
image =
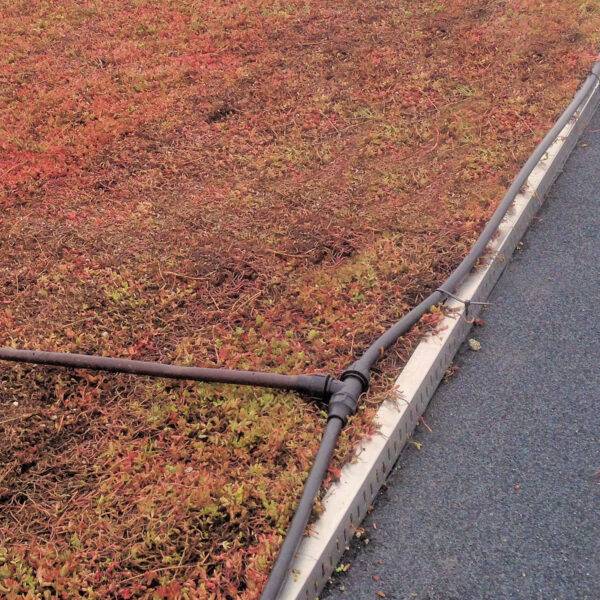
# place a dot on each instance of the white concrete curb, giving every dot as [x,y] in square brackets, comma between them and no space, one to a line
[347,501]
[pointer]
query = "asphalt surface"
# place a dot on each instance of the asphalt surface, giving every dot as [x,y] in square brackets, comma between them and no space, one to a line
[503,498]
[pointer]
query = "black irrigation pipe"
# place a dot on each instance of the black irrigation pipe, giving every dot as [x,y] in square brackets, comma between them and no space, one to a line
[321,386]
[343,394]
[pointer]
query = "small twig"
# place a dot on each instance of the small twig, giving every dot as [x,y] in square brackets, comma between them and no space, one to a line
[237,304]
[146,573]
[424,423]
[280,253]
[174,274]
[16,418]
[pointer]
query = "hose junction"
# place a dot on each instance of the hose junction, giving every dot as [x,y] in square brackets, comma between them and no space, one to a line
[342,395]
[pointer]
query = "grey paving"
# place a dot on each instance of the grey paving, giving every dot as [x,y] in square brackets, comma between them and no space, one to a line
[503,498]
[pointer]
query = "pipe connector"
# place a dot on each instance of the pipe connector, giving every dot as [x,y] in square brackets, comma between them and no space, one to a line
[359,371]
[320,386]
[344,402]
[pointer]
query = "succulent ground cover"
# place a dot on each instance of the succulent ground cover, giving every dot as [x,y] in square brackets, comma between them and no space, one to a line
[251,184]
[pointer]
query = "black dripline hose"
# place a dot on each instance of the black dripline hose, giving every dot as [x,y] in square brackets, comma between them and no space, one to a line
[300,519]
[344,402]
[314,385]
